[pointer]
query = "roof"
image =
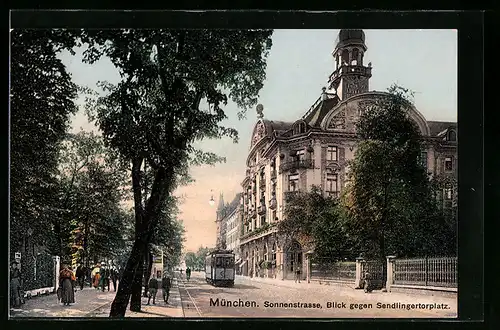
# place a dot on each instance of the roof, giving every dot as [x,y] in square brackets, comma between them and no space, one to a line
[437,127]
[314,117]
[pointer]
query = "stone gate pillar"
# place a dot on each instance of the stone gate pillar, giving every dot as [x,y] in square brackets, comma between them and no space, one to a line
[57,266]
[390,273]
[359,272]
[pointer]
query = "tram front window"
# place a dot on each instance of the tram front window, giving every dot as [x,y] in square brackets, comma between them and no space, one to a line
[218,262]
[229,262]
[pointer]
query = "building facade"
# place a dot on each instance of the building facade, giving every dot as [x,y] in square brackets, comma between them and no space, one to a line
[233,226]
[229,224]
[286,157]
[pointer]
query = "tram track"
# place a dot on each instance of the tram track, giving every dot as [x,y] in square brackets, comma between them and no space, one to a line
[190,300]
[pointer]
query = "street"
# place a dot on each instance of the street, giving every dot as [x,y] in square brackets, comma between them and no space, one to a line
[251,298]
[311,301]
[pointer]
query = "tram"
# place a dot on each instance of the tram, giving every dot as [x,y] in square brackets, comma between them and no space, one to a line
[219,268]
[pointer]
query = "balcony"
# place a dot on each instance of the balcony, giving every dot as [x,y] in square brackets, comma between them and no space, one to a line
[295,164]
[262,209]
[252,214]
[357,70]
[273,204]
[262,183]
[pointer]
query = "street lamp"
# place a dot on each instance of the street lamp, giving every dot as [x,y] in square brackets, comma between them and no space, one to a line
[211,201]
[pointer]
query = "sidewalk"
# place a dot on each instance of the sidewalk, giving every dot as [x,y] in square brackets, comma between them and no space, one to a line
[86,302]
[160,309]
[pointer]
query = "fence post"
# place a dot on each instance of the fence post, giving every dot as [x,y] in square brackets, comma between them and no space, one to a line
[390,273]
[57,265]
[426,270]
[359,277]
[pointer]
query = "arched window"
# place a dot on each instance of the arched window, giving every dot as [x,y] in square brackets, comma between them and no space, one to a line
[345,57]
[354,57]
[452,135]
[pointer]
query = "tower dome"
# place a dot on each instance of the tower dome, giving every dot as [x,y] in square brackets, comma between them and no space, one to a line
[351,37]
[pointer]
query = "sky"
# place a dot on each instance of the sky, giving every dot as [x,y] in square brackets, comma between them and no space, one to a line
[298,66]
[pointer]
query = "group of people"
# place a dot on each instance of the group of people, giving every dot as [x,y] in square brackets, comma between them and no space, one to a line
[99,278]
[166,284]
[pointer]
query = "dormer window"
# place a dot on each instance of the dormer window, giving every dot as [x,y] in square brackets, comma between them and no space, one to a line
[302,128]
[452,136]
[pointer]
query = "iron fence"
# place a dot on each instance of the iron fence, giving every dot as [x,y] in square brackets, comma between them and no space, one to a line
[438,271]
[328,270]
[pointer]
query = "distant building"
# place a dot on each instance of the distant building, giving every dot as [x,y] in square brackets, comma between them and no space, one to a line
[286,157]
[233,226]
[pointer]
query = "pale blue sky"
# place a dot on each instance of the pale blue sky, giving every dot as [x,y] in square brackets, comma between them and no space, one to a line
[299,64]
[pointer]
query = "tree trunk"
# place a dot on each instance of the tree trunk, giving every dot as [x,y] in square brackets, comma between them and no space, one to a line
[147,271]
[135,300]
[119,305]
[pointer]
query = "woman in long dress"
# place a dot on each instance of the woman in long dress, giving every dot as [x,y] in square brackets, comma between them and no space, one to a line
[68,295]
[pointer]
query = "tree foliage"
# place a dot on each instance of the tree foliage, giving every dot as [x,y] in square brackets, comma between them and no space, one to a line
[41,103]
[92,187]
[389,201]
[319,218]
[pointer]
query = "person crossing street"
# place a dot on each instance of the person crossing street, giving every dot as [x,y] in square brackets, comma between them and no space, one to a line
[166,284]
[153,289]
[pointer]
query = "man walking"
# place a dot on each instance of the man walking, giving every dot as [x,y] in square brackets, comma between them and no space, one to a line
[105,277]
[188,273]
[297,273]
[114,277]
[153,289]
[165,285]
[80,276]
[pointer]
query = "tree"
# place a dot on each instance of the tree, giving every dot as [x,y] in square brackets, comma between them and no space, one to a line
[41,103]
[191,260]
[319,218]
[389,201]
[154,117]
[92,182]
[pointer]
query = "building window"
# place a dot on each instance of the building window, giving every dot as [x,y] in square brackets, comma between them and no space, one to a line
[293,182]
[423,159]
[448,194]
[448,164]
[331,153]
[273,214]
[301,155]
[331,185]
[452,135]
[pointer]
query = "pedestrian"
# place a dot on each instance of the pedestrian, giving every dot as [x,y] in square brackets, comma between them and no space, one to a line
[105,277]
[153,289]
[114,277]
[95,277]
[297,274]
[80,276]
[166,283]
[188,273]
[67,293]
[15,284]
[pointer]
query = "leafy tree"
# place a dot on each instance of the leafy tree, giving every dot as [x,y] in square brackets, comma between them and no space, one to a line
[91,182]
[191,260]
[41,103]
[154,116]
[389,201]
[316,218]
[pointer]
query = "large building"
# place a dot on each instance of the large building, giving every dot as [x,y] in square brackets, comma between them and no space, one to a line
[228,224]
[285,157]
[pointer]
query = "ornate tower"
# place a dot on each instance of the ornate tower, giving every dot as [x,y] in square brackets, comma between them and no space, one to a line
[350,76]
